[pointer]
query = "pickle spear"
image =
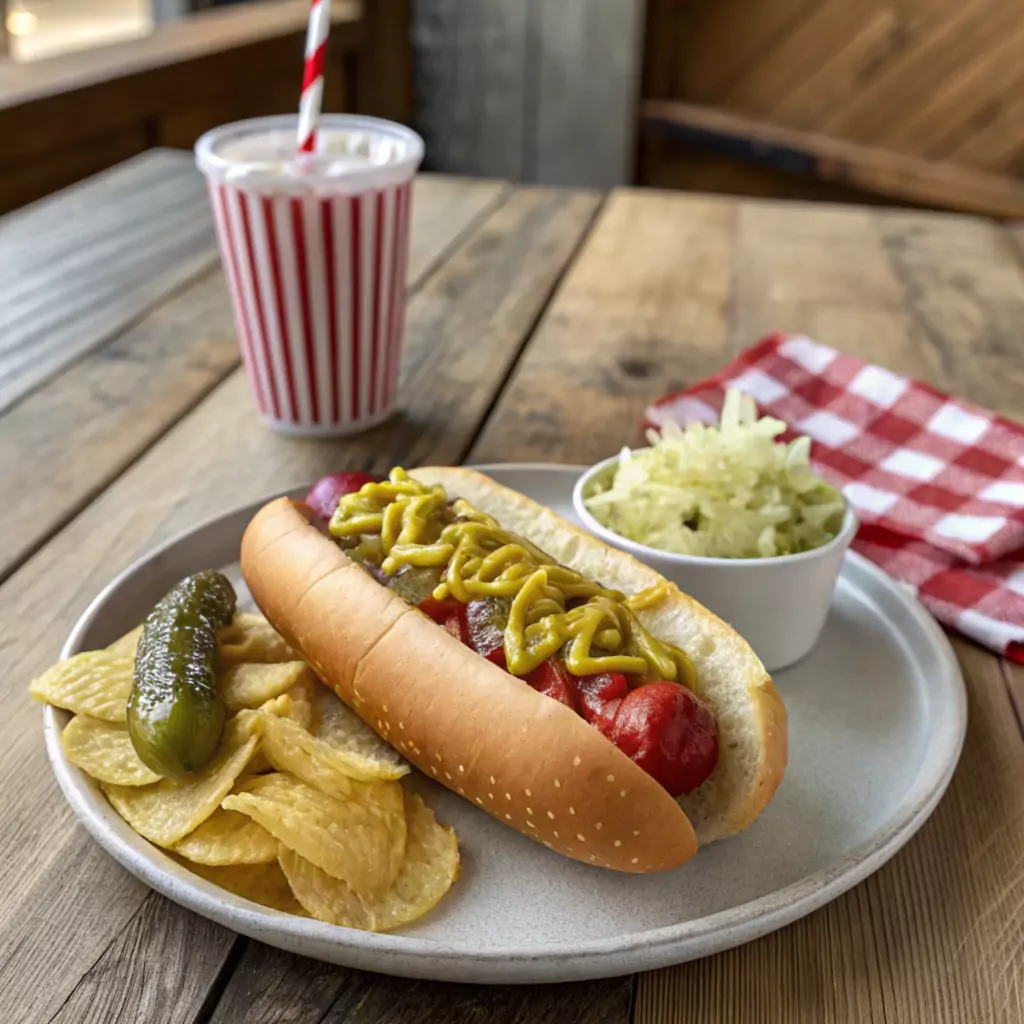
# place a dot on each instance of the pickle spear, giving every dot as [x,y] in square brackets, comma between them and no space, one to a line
[175,715]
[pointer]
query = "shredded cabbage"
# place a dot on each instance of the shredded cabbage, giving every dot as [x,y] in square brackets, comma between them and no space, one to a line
[730,491]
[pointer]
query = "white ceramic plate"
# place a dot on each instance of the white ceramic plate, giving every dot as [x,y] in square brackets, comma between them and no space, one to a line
[877,716]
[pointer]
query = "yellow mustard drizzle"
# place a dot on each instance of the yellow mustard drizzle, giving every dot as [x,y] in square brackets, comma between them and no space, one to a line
[401,522]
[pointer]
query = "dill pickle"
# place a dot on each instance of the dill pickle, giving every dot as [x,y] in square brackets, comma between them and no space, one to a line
[175,715]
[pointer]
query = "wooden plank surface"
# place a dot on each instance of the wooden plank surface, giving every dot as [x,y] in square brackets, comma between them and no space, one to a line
[937,296]
[642,313]
[70,281]
[508,359]
[92,419]
[268,983]
[665,290]
[484,298]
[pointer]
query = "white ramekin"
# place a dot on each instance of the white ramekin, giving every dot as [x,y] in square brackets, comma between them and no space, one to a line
[779,605]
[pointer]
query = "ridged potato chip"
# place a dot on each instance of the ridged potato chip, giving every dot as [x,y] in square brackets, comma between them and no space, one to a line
[289,748]
[364,753]
[360,840]
[127,645]
[105,751]
[295,703]
[249,685]
[94,683]
[250,638]
[430,866]
[167,811]
[260,883]
[227,837]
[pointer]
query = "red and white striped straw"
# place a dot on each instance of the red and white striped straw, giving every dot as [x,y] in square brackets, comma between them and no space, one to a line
[313,74]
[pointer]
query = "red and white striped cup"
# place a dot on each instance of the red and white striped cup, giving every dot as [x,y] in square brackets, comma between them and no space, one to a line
[315,250]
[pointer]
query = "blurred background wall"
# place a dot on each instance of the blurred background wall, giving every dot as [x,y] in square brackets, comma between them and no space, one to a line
[908,101]
[938,81]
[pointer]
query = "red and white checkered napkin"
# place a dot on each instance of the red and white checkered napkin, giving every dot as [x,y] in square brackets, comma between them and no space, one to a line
[938,483]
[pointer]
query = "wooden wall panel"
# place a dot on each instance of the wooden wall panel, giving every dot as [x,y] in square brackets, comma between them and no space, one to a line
[940,80]
[531,90]
[585,122]
[470,85]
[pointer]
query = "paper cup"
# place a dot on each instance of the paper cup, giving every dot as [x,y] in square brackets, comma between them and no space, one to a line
[315,251]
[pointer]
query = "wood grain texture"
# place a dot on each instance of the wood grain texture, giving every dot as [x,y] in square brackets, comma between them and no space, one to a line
[693,167]
[71,281]
[173,43]
[708,44]
[936,936]
[585,73]
[161,967]
[270,987]
[33,179]
[872,169]
[640,313]
[86,424]
[931,80]
[485,298]
[91,420]
[664,291]
[940,297]
[66,114]
[384,85]
[530,90]
[470,86]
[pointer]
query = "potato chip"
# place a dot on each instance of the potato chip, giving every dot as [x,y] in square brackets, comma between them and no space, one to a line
[430,866]
[365,754]
[258,763]
[358,840]
[127,645]
[105,751]
[167,811]
[295,703]
[249,685]
[289,748]
[227,837]
[260,883]
[251,638]
[94,683]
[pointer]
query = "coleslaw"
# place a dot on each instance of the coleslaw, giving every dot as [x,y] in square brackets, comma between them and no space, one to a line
[726,491]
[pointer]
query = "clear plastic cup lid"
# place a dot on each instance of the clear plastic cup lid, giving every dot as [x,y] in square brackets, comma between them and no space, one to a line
[353,153]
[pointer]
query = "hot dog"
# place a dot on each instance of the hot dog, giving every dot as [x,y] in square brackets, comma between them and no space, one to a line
[560,685]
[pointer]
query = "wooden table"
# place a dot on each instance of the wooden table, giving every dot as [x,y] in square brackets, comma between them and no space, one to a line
[124,419]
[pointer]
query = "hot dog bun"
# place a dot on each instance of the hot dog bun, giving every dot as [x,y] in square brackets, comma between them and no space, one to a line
[527,760]
[750,714]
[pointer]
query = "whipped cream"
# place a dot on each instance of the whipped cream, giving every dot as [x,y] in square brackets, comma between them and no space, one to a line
[351,151]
